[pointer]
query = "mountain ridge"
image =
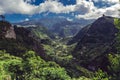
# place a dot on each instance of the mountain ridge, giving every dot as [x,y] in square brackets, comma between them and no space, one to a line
[61,27]
[92,46]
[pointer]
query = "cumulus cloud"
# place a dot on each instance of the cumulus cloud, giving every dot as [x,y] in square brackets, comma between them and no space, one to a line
[55,7]
[16,6]
[27,19]
[24,7]
[69,19]
[97,12]
[83,6]
[82,9]
[107,1]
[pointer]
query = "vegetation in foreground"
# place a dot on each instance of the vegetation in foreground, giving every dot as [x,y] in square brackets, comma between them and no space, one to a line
[29,66]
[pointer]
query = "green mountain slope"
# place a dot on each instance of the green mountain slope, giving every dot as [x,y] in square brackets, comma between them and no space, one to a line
[34,53]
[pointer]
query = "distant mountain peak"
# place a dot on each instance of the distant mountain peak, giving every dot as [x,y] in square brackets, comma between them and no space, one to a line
[94,41]
[101,24]
[105,18]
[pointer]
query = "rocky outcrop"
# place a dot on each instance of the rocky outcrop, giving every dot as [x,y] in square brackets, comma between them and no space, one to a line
[6,30]
[10,33]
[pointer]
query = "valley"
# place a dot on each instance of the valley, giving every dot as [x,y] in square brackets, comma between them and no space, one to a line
[65,51]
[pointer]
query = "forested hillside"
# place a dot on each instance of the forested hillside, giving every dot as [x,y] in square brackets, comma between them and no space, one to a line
[34,53]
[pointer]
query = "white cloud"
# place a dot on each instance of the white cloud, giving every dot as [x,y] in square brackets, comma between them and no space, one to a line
[69,19]
[82,8]
[16,6]
[97,12]
[24,7]
[28,1]
[27,19]
[107,1]
[55,7]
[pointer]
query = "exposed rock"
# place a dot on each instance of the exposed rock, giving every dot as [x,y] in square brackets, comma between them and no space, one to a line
[6,30]
[10,33]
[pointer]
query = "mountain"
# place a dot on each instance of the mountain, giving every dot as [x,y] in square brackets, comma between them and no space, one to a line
[36,39]
[33,52]
[79,35]
[18,40]
[94,42]
[61,27]
[22,56]
[47,22]
[50,22]
[41,32]
[66,28]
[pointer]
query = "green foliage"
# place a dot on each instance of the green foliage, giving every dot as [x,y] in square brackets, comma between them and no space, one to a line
[114,67]
[118,43]
[58,51]
[9,65]
[114,62]
[41,32]
[31,67]
[100,75]
[82,78]
[49,50]
[114,59]
[117,23]
[38,68]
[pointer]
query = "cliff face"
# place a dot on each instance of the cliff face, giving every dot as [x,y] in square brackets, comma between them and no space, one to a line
[95,42]
[6,30]
[10,33]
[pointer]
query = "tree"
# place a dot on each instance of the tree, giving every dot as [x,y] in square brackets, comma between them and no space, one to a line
[114,67]
[32,67]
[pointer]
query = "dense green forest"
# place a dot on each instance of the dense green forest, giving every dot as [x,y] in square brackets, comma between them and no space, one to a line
[59,39]
[57,64]
[29,67]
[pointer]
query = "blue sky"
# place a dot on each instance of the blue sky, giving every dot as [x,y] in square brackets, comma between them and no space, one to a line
[24,10]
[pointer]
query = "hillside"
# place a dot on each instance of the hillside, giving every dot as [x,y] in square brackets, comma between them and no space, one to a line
[33,53]
[41,32]
[17,40]
[94,42]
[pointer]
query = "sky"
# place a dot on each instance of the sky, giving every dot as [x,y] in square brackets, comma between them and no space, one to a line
[25,10]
